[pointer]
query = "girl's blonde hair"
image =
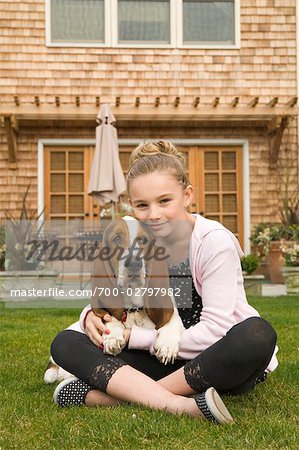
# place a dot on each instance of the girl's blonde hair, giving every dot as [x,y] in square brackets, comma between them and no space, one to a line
[160,156]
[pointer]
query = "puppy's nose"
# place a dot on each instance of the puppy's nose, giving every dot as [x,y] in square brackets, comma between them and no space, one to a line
[133,265]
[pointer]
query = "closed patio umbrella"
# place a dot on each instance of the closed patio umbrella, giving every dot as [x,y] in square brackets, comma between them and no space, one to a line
[107,181]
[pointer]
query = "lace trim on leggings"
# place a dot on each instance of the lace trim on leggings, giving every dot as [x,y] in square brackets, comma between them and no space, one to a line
[194,376]
[102,373]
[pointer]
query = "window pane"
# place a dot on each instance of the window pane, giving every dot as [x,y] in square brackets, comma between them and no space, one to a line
[57,161]
[76,161]
[229,160]
[77,21]
[76,182]
[211,182]
[58,204]
[208,21]
[229,202]
[76,204]
[229,181]
[212,203]
[231,222]
[57,182]
[211,160]
[144,21]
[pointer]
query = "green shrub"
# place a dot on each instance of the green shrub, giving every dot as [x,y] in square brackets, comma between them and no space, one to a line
[250,263]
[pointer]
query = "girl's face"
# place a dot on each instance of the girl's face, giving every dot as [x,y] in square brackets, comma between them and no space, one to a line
[157,199]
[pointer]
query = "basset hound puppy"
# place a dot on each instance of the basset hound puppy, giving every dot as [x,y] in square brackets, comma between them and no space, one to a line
[132,284]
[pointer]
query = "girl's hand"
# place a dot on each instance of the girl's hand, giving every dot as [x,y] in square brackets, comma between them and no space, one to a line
[94,327]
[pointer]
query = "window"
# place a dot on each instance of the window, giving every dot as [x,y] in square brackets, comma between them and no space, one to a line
[208,21]
[143,23]
[77,21]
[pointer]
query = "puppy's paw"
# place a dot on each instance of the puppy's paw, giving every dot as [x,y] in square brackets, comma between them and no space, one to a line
[166,347]
[114,342]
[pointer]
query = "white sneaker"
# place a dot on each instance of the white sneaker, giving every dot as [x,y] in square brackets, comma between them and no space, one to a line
[212,406]
[71,392]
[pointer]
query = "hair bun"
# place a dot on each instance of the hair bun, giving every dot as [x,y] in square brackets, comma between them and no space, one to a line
[155,148]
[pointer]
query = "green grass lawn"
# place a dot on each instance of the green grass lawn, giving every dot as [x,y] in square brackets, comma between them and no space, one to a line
[264,419]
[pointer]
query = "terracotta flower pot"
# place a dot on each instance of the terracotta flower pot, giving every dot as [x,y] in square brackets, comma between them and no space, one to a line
[275,262]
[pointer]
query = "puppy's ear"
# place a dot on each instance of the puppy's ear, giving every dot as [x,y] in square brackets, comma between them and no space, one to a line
[105,292]
[158,307]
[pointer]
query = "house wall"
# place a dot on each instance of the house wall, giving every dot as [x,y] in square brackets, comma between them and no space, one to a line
[264,67]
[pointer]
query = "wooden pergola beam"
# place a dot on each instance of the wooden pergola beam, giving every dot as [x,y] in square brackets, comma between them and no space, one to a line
[293,102]
[273,102]
[176,102]
[10,127]
[88,112]
[215,102]
[254,102]
[235,101]
[196,102]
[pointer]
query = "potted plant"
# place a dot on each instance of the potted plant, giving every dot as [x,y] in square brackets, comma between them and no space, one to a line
[267,240]
[22,271]
[252,282]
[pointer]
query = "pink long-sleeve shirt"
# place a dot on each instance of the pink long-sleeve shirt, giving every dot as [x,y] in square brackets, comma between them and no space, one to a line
[217,275]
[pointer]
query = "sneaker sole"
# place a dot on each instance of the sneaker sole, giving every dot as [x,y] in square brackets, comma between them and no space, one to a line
[60,386]
[217,407]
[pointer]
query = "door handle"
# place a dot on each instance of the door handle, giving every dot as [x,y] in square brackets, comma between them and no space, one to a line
[86,214]
[95,215]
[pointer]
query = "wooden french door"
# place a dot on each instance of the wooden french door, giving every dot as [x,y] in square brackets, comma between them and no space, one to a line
[215,172]
[66,177]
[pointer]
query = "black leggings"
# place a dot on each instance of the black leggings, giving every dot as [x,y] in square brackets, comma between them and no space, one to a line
[232,365]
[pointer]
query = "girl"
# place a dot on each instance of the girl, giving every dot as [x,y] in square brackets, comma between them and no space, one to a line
[225,346]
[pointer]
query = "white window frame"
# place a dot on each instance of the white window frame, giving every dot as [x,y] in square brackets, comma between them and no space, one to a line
[176,30]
